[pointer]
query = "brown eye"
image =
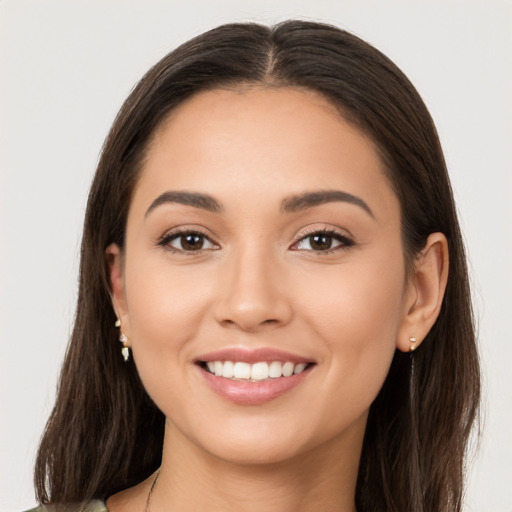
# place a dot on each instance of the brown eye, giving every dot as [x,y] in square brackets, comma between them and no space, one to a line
[320,242]
[323,242]
[189,242]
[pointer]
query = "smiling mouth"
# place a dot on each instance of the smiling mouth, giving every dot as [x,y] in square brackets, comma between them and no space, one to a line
[256,372]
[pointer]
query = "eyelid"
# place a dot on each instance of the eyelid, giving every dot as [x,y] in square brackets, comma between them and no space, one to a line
[346,240]
[168,236]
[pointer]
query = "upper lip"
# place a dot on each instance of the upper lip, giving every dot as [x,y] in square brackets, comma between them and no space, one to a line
[252,356]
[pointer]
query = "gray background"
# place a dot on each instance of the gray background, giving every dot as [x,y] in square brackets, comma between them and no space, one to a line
[66,67]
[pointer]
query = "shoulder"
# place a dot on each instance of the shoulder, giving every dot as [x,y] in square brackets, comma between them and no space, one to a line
[92,506]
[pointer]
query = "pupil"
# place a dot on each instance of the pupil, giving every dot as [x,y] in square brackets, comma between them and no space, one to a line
[193,242]
[320,242]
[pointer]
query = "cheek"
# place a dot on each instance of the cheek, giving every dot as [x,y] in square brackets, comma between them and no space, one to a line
[356,301]
[166,307]
[356,311]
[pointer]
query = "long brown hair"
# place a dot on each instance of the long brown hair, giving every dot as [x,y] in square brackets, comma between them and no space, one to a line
[105,434]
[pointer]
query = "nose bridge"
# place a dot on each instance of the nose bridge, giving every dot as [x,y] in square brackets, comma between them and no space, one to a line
[253,295]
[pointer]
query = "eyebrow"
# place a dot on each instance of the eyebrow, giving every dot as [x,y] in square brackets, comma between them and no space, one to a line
[195,199]
[289,205]
[310,199]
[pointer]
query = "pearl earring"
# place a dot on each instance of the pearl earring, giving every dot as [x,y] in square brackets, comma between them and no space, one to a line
[125,349]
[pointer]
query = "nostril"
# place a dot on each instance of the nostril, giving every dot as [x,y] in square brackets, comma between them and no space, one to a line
[248,324]
[228,323]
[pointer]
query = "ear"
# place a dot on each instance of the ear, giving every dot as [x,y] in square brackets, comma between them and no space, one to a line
[114,258]
[425,292]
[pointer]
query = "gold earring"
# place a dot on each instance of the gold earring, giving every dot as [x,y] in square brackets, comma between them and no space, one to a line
[412,348]
[125,349]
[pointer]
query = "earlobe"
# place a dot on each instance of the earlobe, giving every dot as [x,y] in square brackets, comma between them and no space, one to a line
[425,293]
[114,258]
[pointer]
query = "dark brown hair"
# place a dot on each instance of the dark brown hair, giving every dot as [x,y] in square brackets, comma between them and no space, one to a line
[105,434]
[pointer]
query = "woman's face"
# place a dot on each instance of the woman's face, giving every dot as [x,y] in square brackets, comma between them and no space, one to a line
[263,231]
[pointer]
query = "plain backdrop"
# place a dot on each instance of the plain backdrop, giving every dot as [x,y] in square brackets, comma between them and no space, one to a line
[66,67]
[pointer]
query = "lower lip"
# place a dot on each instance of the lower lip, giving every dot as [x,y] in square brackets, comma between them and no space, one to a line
[252,393]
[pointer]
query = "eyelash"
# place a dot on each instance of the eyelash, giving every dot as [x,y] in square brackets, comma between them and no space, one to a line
[166,240]
[345,241]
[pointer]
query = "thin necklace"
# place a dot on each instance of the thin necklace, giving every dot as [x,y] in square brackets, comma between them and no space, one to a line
[151,491]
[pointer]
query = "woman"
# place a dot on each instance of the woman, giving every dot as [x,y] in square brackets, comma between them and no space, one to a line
[271,236]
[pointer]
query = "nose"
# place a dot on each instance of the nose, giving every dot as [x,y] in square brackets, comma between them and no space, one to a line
[252,295]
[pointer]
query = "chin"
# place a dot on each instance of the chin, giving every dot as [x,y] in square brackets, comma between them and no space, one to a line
[276,441]
[256,455]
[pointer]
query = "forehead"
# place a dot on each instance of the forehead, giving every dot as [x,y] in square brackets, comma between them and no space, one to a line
[263,141]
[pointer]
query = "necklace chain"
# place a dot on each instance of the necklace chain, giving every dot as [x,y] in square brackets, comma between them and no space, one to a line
[151,492]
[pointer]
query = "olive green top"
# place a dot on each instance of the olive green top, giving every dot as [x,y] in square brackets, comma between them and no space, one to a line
[92,506]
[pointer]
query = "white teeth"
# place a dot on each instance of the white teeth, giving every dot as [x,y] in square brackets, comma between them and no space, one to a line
[228,370]
[288,369]
[255,372]
[275,369]
[299,368]
[242,371]
[259,371]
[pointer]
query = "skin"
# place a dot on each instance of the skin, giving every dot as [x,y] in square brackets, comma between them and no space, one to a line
[258,283]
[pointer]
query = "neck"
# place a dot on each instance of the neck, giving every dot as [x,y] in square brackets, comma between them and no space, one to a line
[323,478]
